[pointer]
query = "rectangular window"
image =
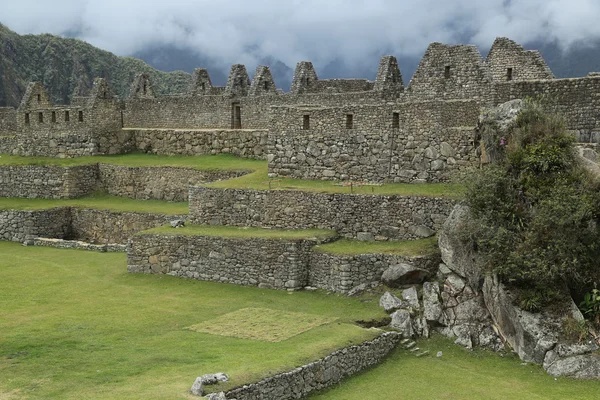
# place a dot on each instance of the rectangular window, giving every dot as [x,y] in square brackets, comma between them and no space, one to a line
[266,84]
[509,74]
[53,116]
[396,120]
[306,122]
[39,98]
[67,116]
[26,118]
[41,117]
[80,116]
[349,121]
[447,72]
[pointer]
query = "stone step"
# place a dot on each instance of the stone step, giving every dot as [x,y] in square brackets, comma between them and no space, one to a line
[410,345]
[404,341]
[424,353]
[414,349]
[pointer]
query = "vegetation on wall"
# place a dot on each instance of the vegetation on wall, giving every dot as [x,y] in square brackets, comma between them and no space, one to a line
[68,66]
[535,209]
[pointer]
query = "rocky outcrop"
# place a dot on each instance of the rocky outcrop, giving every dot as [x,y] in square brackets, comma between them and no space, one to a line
[535,337]
[403,274]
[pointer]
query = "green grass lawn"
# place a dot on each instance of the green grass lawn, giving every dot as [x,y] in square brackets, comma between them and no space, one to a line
[241,232]
[208,162]
[259,180]
[76,325]
[408,248]
[98,201]
[459,374]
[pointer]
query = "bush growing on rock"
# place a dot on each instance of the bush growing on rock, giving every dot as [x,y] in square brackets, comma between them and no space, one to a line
[535,209]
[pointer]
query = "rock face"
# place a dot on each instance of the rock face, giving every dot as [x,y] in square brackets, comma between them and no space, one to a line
[535,336]
[503,115]
[216,396]
[457,254]
[390,303]
[432,307]
[403,274]
[402,322]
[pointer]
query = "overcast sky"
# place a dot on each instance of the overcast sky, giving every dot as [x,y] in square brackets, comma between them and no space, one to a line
[242,31]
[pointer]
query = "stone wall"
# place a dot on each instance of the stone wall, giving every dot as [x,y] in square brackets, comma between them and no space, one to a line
[8,120]
[157,183]
[405,142]
[49,182]
[17,225]
[271,263]
[240,142]
[509,61]
[8,143]
[385,217]
[104,226]
[450,72]
[321,374]
[95,226]
[340,273]
[576,99]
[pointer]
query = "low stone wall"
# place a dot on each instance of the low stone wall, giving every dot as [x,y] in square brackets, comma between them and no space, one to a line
[240,142]
[103,226]
[158,183]
[385,217]
[48,182]
[94,226]
[269,263]
[17,225]
[340,273]
[77,244]
[321,374]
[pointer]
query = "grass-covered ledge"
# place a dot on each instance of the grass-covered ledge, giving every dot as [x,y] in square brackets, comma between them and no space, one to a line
[408,248]
[97,201]
[242,232]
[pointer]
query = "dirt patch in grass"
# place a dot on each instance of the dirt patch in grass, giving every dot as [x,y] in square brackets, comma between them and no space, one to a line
[262,324]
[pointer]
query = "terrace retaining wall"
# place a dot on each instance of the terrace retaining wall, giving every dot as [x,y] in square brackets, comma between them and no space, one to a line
[321,374]
[383,217]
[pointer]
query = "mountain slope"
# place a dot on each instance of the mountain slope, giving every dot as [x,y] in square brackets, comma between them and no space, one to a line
[66,66]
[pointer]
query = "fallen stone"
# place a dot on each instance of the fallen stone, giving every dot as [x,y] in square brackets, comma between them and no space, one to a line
[365,236]
[197,388]
[216,396]
[211,379]
[403,274]
[439,354]
[178,223]
[390,303]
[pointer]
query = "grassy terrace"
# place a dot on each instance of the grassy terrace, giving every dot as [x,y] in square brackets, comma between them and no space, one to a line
[99,201]
[218,162]
[241,232]
[458,374]
[76,325]
[257,180]
[408,248]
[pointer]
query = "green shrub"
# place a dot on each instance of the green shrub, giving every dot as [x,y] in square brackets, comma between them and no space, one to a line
[590,306]
[535,210]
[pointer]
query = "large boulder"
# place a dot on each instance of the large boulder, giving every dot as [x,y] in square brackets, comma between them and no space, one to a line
[391,303]
[411,296]
[403,274]
[432,307]
[401,321]
[458,253]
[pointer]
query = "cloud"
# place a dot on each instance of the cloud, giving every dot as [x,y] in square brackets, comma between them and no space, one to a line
[353,31]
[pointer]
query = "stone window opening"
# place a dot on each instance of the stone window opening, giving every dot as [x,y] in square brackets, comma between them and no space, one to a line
[447,72]
[41,117]
[80,116]
[145,88]
[396,120]
[104,95]
[306,122]
[203,87]
[266,85]
[26,118]
[349,121]
[54,116]
[67,116]
[509,74]
[39,98]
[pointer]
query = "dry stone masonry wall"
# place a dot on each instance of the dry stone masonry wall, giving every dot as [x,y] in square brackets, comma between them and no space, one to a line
[375,216]
[321,374]
[269,263]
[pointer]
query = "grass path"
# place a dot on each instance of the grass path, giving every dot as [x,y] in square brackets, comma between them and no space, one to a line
[459,374]
[76,325]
